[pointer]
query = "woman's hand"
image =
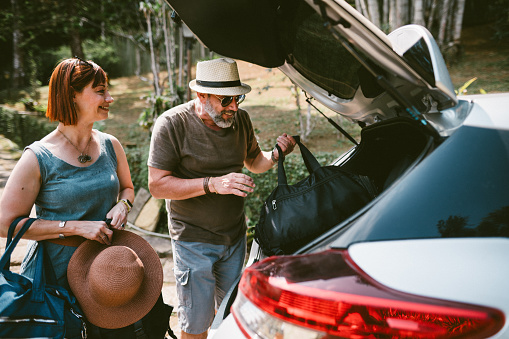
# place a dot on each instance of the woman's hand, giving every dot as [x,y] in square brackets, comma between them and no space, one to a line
[96,230]
[118,216]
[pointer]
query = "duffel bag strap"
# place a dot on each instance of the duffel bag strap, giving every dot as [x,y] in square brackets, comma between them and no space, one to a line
[5,261]
[309,160]
[281,174]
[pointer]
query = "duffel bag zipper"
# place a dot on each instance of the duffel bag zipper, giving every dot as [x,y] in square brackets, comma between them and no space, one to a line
[323,181]
[27,320]
[83,324]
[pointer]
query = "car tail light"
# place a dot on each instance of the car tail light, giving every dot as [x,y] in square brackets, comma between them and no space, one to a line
[325,295]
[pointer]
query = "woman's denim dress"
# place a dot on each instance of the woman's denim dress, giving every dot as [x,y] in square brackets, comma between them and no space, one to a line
[71,193]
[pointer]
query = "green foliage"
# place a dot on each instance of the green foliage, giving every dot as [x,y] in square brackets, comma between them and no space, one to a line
[33,106]
[103,53]
[158,105]
[137,156]
[500,11]
[23,129]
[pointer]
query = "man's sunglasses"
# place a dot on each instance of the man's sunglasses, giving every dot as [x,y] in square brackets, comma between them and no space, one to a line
[225,101]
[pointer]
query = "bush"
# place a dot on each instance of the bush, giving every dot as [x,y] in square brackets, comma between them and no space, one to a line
[137,156]
[103,53]
[23,129]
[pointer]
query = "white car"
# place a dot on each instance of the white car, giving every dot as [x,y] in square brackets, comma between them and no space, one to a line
[428,256]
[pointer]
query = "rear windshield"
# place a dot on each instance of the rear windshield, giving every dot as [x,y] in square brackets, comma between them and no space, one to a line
[461,190]
[317,55]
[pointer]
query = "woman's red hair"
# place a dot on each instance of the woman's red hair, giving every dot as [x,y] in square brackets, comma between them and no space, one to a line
[69,77]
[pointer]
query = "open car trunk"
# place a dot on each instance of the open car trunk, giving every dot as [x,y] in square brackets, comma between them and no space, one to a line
[386,151]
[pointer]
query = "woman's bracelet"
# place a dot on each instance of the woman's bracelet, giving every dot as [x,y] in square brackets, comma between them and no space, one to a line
[127,204]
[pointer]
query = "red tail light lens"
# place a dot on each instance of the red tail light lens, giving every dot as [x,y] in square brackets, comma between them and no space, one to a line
[327,296]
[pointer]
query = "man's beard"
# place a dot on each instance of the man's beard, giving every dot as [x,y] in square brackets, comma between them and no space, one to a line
[218,117]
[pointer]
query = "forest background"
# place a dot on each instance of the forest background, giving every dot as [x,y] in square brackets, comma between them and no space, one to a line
[149,55]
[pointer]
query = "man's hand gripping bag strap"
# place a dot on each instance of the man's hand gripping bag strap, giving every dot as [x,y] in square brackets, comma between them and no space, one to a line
[35,307]
[294,215]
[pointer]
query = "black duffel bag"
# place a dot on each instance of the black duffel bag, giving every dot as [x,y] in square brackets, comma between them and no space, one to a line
[293,215]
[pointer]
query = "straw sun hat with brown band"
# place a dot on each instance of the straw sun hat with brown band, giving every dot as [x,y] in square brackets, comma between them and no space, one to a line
[116,285]
[218,76]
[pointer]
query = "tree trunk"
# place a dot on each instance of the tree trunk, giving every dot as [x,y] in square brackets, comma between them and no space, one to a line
[74,33]
[385,14]
[189,58]
[18,73]
[458,21]
[443,22]
[173,29]
[309,123]
[138,62]
[157,89]
[181,54]
[374,12]
[103,24]
[168,44]
[393,15]
[361,5]
[418,13]
[431,21]
[302,130]
[404,12]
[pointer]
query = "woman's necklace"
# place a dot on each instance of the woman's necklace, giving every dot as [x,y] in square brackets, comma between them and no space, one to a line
[83,157]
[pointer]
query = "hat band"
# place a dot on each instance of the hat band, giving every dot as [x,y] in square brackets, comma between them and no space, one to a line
[217,84]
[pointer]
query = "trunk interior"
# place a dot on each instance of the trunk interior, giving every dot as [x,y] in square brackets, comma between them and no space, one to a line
[387,149]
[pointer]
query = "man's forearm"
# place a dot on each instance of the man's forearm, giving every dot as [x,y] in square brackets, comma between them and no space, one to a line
[171,187]
[261,163]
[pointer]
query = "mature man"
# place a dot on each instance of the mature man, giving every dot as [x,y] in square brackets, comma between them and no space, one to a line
[197,152]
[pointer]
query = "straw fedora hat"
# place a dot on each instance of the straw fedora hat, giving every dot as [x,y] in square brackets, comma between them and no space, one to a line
[218,76]
[116,285]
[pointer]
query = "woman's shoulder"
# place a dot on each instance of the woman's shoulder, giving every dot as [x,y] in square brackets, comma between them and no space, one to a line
[103,136]
[38,147]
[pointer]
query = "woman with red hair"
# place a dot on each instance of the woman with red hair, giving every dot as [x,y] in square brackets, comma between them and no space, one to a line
[76,176]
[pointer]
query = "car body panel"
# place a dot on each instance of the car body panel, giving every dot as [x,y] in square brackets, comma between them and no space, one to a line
[440,268]
[492,110]
[462,270]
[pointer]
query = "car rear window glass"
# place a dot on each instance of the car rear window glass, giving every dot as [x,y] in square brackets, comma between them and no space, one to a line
[318,56]
[460,190]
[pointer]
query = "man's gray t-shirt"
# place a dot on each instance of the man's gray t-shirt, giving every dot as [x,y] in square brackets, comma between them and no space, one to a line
[183,144]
